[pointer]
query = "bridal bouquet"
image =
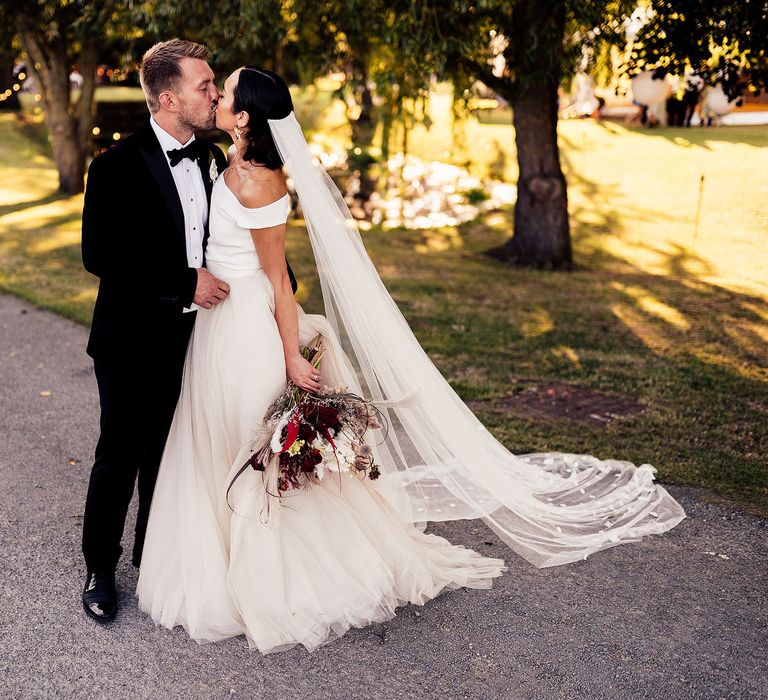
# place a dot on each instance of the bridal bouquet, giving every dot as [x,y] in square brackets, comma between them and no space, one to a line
[304,435]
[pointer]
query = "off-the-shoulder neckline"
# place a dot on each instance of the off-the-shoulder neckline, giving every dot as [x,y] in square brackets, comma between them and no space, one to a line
[265,206]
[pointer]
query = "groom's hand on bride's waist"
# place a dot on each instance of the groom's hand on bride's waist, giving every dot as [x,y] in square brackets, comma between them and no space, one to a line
[210,290]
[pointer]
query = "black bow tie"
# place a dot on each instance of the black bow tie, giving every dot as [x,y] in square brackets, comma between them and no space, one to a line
[197,150]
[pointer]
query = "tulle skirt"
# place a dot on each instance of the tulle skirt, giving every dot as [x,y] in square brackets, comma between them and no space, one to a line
[339,555]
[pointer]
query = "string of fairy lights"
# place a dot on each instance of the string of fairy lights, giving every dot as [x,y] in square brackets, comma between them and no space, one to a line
[16,88]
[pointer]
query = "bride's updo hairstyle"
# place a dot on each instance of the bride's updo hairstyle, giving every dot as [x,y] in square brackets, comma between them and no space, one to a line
[263,95]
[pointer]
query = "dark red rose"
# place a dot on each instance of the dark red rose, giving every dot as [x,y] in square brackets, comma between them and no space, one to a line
[327,416]
[307,432]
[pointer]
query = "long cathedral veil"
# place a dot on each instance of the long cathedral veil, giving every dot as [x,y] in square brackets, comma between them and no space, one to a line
[438,461]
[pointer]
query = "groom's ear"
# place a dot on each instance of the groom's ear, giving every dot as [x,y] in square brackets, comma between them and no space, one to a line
[168,101]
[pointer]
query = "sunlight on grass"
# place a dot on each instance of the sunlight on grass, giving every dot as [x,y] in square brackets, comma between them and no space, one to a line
[42,215]
[22,184]
[646,332]
[68,235]
[741,368]
[302,292]
[537,322]
[564,352]
[750,337]
[646,187]
[496,221]
[650,304]
[758,310]
[438,240]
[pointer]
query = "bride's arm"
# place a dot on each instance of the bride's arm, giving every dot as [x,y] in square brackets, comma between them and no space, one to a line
[270,246]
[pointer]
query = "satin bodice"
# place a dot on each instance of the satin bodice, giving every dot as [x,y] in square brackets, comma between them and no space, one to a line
[231,251]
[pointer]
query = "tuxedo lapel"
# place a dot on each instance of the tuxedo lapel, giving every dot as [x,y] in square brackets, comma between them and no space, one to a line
[205,171]
[161,172]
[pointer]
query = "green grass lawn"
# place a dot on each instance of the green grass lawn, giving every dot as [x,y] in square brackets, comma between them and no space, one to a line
[647,314]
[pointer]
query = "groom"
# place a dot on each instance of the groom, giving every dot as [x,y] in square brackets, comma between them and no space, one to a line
[145,225]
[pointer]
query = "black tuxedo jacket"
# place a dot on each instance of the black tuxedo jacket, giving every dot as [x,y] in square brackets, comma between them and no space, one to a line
[133,240]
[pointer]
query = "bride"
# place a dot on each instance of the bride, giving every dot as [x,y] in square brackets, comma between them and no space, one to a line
[338,554]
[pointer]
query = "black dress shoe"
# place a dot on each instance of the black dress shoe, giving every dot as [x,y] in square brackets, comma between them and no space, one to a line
[100,596]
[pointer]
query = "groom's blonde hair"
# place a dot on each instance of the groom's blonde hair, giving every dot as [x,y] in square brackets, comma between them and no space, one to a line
[160,70]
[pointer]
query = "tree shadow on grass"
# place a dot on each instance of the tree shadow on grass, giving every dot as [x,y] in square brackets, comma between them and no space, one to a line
[694,353]
[694,136]
[29,204]
[681,302]
[42,262]
[703,347]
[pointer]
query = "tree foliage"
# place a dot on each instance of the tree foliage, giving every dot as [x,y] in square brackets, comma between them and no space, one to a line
[725,41]
[511,44]
[236,32]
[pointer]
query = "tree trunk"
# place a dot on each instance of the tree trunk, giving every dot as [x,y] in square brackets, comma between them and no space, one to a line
[542,234]
[69,157]
[363,127]
[51,73]
[62,126]
[364,124]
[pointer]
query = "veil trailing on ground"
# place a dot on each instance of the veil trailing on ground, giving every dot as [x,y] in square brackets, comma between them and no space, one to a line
[438,461]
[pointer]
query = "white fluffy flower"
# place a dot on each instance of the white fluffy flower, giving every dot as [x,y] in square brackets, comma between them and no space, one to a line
[277,437]
[344,453]
[319,444]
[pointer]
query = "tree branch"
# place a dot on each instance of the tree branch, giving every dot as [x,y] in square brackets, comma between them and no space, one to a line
[503,86]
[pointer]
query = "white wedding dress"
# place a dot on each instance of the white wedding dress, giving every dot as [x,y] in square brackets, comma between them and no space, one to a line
[340,554]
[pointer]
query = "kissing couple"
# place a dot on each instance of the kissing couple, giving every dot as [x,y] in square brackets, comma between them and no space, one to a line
[196,333]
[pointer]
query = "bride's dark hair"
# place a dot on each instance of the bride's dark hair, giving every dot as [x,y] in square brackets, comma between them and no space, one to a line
[264,95]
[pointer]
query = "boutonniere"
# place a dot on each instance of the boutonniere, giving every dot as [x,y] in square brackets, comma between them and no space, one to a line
[213,171]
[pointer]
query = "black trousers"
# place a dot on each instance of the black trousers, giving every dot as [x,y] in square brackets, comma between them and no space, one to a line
[138,398]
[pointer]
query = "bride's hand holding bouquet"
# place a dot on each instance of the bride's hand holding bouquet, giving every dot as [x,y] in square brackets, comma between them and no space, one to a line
[301,373]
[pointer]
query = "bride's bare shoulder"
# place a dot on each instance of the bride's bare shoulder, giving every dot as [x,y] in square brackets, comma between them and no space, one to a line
[262,186]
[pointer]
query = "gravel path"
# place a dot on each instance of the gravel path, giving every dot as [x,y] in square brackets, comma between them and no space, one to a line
[678,616]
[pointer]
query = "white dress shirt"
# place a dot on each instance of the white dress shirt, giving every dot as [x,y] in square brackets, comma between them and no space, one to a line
[194,204]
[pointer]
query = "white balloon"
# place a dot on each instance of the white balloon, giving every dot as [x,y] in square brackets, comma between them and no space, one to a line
[648,91]
[716,101]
